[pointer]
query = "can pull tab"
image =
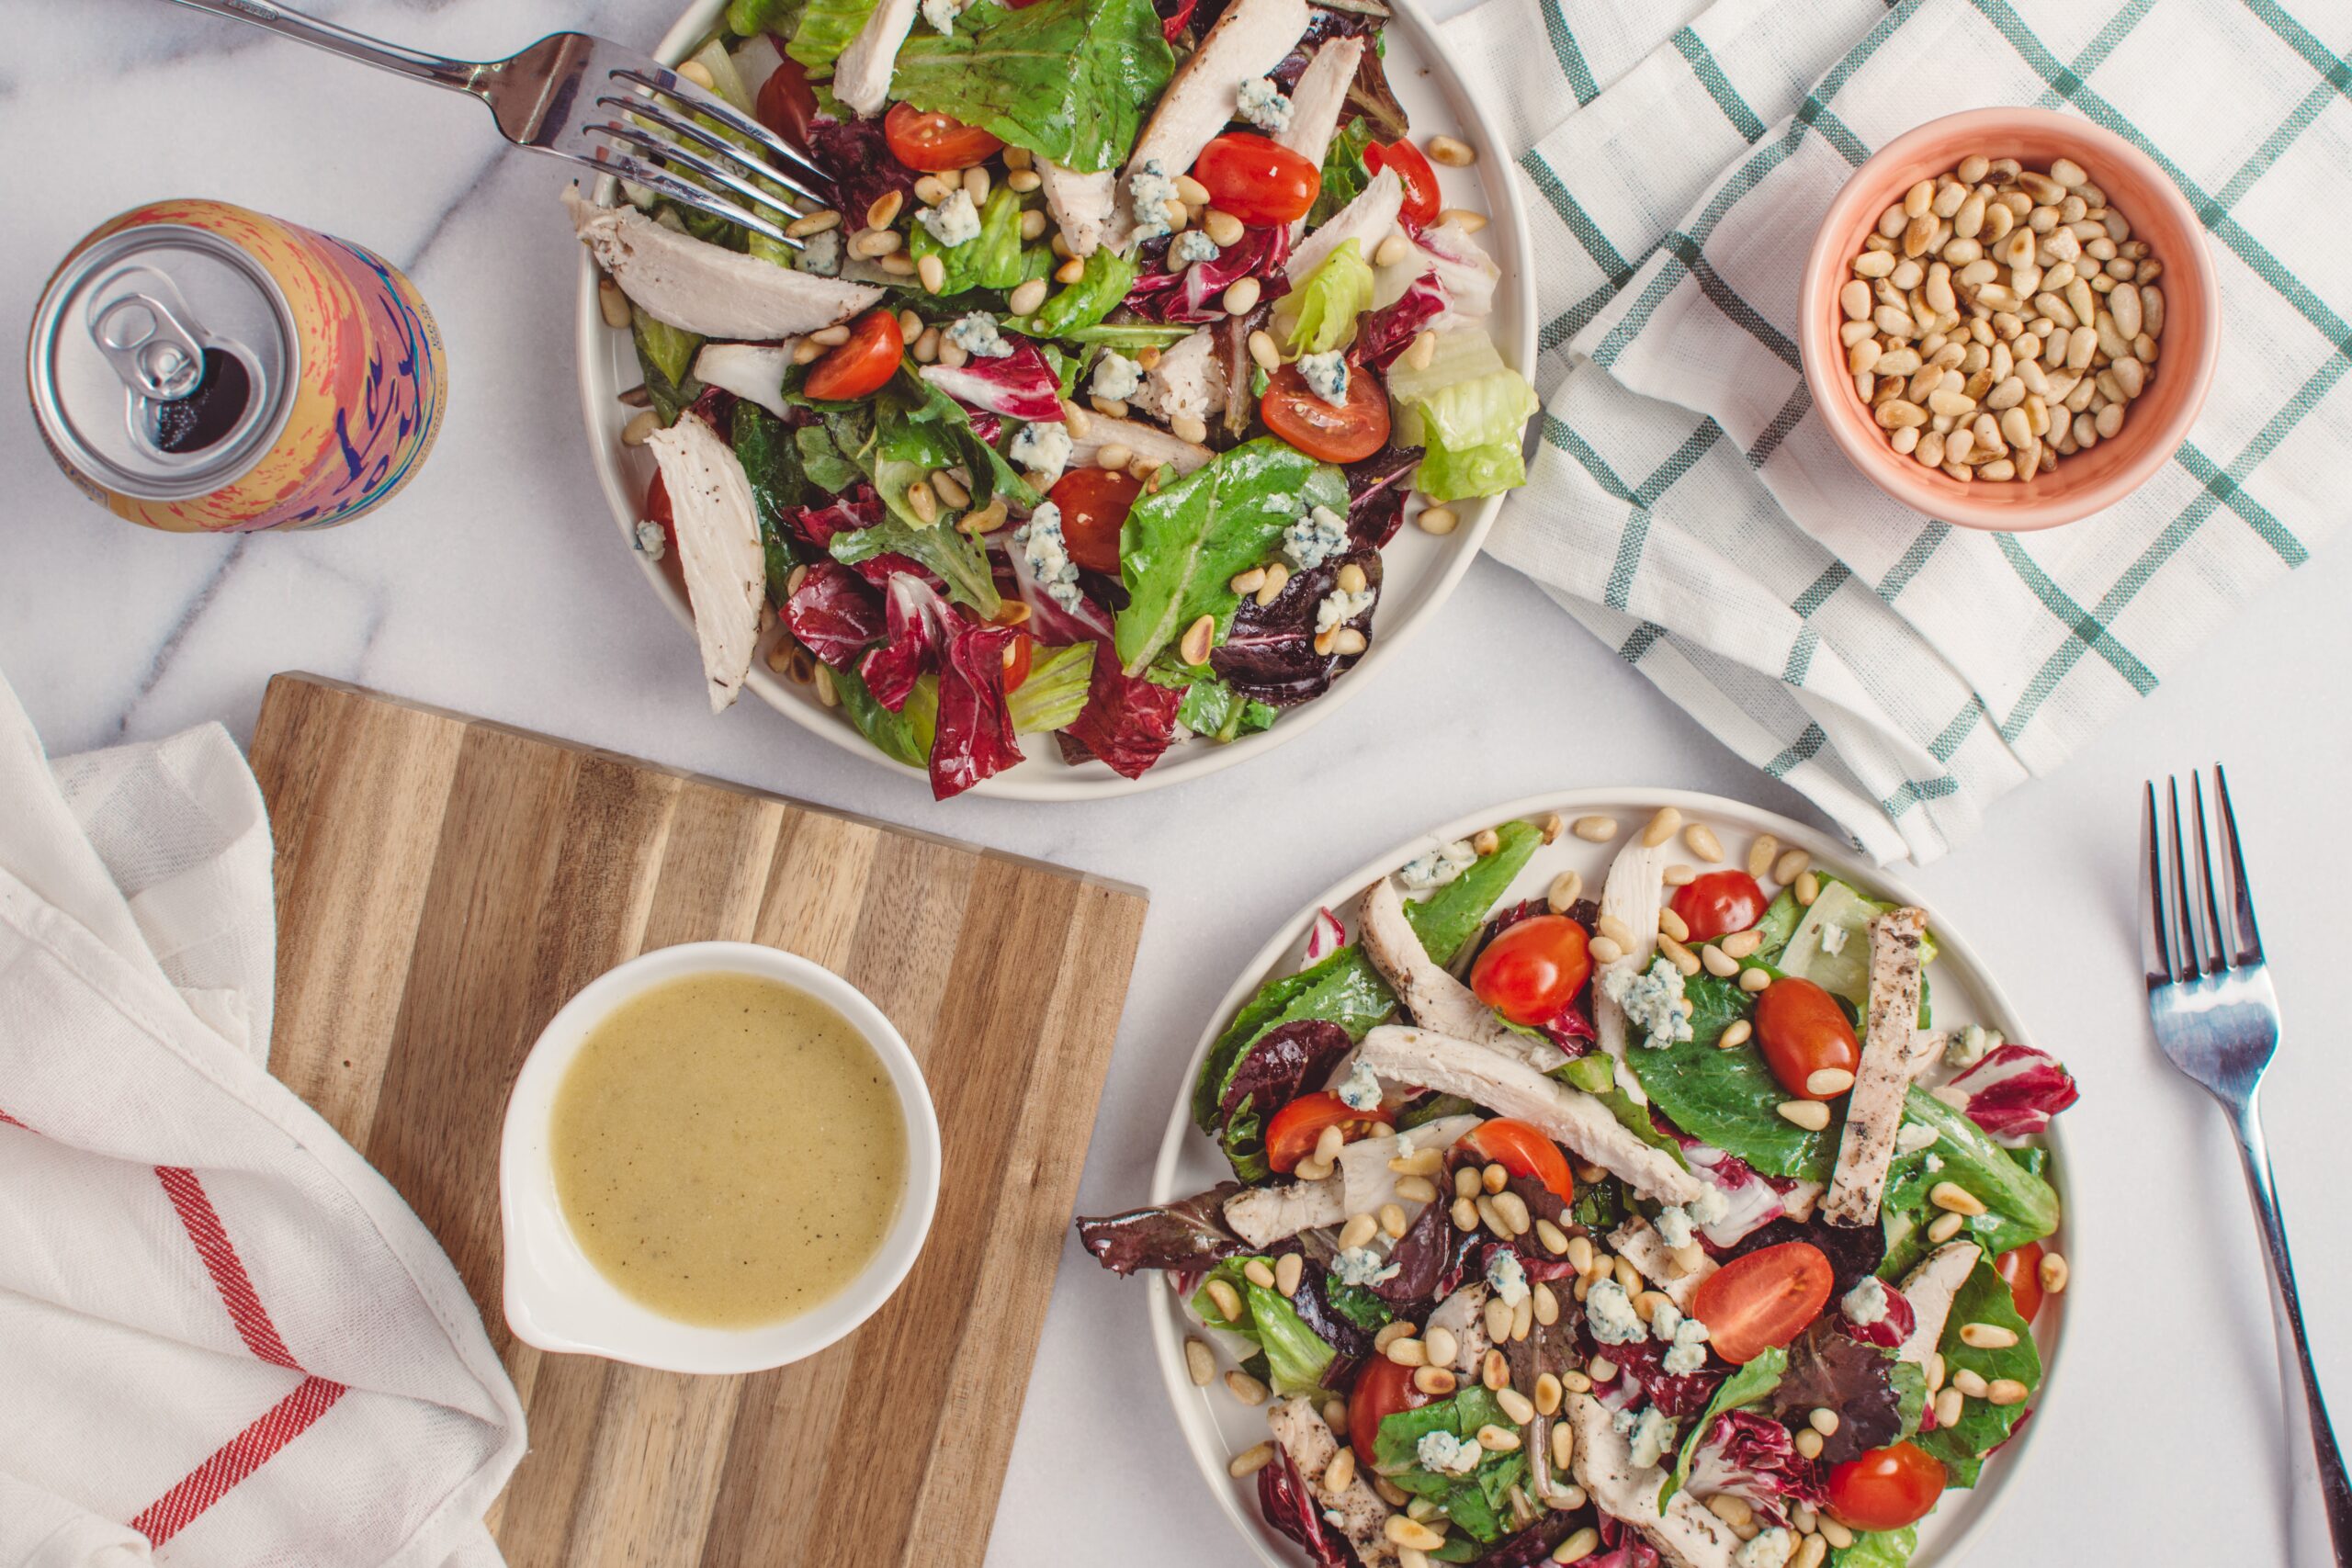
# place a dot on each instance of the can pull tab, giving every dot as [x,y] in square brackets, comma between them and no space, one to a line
[142,324]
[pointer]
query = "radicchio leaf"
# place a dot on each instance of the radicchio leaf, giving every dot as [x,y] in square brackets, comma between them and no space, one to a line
[1641,1379]
[2015,1091]
[926,635]
[1127,721]
[1269,652]
[1421,1255]
[1290,1507]
[1019,385]
[1383,334]
[1325,937]
[1196,294]
[1312,1301]
[856,156]
[1750,1457]
[1890,1331]
[834,614]
[1751,1201]
[1184,1235]
[858,508]
[1627,1546]
[1827,1367]
[1377,488]
[1529,1547]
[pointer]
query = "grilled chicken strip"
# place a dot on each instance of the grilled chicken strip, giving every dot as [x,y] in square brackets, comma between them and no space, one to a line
[719,549]
[709,288]
[1687,1535]
[1929,1289]
[1079,204]
[1204,95]
[1143,439]
[1362,1517]
[861,77]
[1874,1108]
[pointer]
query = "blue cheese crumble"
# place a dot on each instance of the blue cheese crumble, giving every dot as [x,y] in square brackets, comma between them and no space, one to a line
[954,221]
[1192,245]
[1833,939]
[1042,548]
[1972,1044]
[1042,449]
[977,335]
[1362,1266]
[1315,538]
[1327,376]
[1442,1453]
[1652,1000]
[1674,1226]
[1771,1548]
[1359,1090]
[1710,1207]
[652,543]
[1866,1302]
[1651,1434]
[941,15]
[1686,1339]
[1338,608]
[1116,376]
[1608,1313]
[1263,105]
[1913,1136]
[1438,867]
[1149,190]
[1507,1277]
[822,253]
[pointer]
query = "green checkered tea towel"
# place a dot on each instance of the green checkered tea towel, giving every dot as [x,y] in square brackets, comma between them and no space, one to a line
[1688,508]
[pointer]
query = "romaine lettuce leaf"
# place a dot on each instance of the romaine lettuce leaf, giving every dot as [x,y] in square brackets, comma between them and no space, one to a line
[1083,304]
[1067,79]
[1450,916]
[992,258]
[827,28]
[1297,1356]
[1730,1099]
[1468,411]
[897,736]
[1055,689]
[1344,176]
[1878,1548]
[1181,545]
[1755,1378]
[745,17]
[1983,1297]
[2019,1205]
[1322,310]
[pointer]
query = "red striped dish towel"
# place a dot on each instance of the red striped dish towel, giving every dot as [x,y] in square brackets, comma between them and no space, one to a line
[224,1339]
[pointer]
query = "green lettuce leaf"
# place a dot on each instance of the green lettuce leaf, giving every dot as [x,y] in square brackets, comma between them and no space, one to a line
[1296,1357]
[897,736]
[745,17]
[1477,1502]
[1068,79]
[1748,1385]
[1878,1548]
[665,354]
[2019,1205]
[822,462]
[827,28]
[1323,309]
[1449,917]
[1181,545]
[1470,437]
[1216,710]
[1983,1297]
[1730,1099]
[1344,176]
[990,259]
[1055,691]
[1083,304]
[772,463]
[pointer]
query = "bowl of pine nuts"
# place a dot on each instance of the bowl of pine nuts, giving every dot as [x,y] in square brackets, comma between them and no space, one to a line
[2008,320]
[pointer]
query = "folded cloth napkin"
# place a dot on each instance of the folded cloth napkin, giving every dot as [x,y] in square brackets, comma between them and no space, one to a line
[224,1339]
[1685,503]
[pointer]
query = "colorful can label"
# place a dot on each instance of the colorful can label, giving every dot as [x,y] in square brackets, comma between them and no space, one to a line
[199,367]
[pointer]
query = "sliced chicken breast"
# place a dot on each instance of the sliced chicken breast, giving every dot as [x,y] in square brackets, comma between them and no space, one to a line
[1317,100]
[719,549]
[1364,1179]
[1079,204]
[1687,1534]
[1368,220]
[1358,1511]
[1874,1108]
[1143,440]
[1637,1242]
[1261,1216]
[862,76]
[1634,893]
[1510,1087]
[1436,1000]
[1929,1289]
[709,288]
[1188,382]
[1246,42]
[752,371]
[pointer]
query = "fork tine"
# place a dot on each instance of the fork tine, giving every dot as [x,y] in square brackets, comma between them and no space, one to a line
[2218,946]
[681,127]
[2247,937]
[637,172]
[699,102]
[674,158]
[2187,961]
[2155,944]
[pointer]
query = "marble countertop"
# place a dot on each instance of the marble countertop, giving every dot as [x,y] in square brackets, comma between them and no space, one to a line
[497,584]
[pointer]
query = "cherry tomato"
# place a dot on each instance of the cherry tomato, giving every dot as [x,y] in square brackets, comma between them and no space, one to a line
[863,365]
[1719,903]
[1094,504]
[658,510]
[1532,970]
[1298,1126]
[1017,658]
[933,142]
[1803,1030]
[1356,429]
[1886,1488]
[1257,179]
[786,104]
[1413,171]
[1523,1151]
[2022,1266]
[1765,1298]
[1383,1388]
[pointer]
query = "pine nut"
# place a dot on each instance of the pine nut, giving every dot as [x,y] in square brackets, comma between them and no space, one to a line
[1512,1210]
[1628,1277]
[1719,963]
[1241,296]
[1752,980]
[1594,830]
[1604,949]
[1988,1335]
[1489,1215]
[1934,1371]
[1970,1383]
[1661,827]
[2005,1391]
[1809,1443]
[1807,887]
[1069,271]
[1391,1494]
[1358,1232]
[1732,1508]
[1253,1459]
[1828,1083]
[1702,842]
[1515,1405]
[1950,1408]
[1497,1316]
[614,304]
[640,428]
[1287,1269]
[2054,1273]
[1547,1303]
[1440,1346]
[1836,1534]
[1823,1420]
[1391,1332]
[1391,251]
[1406,1351]
[1959,1200]
[1258,1274]
[1434,1380]
[1424,350]
[1736,1033]
[1944,1227]
[1244,1387]
[1225,1298]
[695,70]
[1673,925]
[1223,227]
[1465,1214]
[1812,1552]
[1200,1361]
[1466,1183]
[1471,222]
[1416,1189]
[1494,1177]
[1792,865]
[1553,1239]
[1494,1369]
[1647,1304]
[1277,579]
[1408,1532]
[1578,1544]
[1566,889]
[1580,1254]
[1810,1114]
[1682,958]
[1391,1220]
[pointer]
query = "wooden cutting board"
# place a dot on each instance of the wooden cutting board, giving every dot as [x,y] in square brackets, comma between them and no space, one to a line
[445,884]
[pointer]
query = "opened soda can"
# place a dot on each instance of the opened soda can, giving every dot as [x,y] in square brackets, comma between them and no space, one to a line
[198,367]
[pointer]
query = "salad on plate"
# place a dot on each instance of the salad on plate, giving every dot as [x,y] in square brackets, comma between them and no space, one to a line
[1135,332]
[1664,1228]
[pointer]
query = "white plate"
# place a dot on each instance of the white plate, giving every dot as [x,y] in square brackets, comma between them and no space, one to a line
[1217,1426]
[1418,569]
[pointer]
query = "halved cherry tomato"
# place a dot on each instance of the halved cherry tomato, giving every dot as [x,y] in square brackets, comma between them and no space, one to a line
[1803,1030]
[1719,903]
[658,508]
[1298,1126]
[1532,970]
[1752,1303]
[1094,504]
[1383,1388]
[787,104]
[1017,659]
[933,142]
[1356,429]
[1523,1151]
[1886,1488]
[1413,171]
[860,367]
[2022,1266]
[1256,178]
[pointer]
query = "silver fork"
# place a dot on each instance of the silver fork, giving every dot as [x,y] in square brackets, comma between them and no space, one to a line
[597,103]
[2217,1018]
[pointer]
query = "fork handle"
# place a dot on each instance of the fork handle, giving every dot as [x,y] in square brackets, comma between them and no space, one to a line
[2319,1525]
[459,75]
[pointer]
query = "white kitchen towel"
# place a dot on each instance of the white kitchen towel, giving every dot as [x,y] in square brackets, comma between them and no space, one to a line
[1685,503]
[224,1339]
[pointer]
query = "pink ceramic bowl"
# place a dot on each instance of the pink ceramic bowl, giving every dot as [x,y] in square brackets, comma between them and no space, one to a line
[2159,419]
